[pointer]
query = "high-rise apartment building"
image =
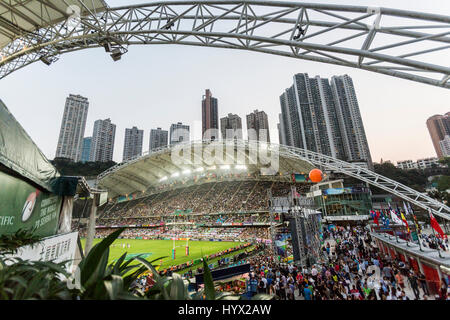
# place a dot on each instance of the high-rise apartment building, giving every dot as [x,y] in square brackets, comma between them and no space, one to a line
[210,117]
[438,126]
[179,132]
[231,127]
[258,126]
[87,142]
[445,146]
[132,146]
[324,118]
[158,138]
[102,148]
[354,139]
[70,141]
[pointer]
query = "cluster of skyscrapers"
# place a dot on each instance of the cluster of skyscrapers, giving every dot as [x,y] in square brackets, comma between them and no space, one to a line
[316,114]
[230,125]
[323,116]
[72,144]
[100,146]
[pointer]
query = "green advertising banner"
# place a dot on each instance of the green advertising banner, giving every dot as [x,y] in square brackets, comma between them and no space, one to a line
[23,206]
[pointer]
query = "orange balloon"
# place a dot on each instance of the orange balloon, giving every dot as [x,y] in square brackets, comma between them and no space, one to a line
[315,175]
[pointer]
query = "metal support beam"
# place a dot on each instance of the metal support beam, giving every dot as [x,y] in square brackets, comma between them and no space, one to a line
[255,26]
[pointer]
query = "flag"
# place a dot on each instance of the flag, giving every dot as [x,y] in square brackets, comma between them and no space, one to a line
[416,223]
[395,218]
[375,219]
[405,222]
[405,208]
[435,225]
[411,211]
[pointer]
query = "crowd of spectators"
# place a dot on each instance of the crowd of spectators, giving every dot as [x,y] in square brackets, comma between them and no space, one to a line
[186,231]
[433,242]
[348,274]
[212,197]
[204,219]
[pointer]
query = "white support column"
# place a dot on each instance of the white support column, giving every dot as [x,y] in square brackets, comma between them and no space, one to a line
[91,226]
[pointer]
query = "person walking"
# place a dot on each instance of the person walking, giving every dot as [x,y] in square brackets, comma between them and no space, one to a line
[413,281]
[400,281]
[423,284]
[307,293]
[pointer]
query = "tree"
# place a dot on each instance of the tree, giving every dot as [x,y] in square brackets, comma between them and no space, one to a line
[69,168]
[414,178]
[445,160]
[443,183]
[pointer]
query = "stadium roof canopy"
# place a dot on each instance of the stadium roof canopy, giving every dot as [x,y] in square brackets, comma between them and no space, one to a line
[27,17]
[242,159]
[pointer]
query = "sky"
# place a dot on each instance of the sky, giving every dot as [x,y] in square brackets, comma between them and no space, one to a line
[155,86]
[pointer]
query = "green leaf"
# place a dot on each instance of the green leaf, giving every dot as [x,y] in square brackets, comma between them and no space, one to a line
[114,286]
[90,263]
[208,281]
[178,290]
[149,267]
[116,269]
[262,296]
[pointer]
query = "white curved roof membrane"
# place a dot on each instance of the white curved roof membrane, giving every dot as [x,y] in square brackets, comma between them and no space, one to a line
[149,171]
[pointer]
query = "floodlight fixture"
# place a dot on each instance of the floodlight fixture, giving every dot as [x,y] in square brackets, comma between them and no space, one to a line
[45,60]
[107,46]
[116,54]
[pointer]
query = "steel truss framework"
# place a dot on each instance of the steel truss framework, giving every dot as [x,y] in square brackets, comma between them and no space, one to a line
[326,163]
[394,42]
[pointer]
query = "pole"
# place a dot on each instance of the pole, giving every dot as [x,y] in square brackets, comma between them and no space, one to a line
[437,245]
[91,227]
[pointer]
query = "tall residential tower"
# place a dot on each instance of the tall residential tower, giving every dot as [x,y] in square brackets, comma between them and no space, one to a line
[70,142]
[258,126]
[324,118]
[439,127]
[231,127]
[158,138]
[179,132]
[102,147]
[132,146]
[210,117]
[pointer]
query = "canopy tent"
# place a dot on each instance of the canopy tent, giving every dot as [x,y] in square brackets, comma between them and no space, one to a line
[19,153]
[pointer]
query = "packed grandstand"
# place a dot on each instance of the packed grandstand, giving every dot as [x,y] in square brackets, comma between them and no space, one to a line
[226,210]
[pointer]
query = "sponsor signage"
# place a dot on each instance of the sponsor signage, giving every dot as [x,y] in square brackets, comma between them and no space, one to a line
[23,206]
[346,218]
[58,249]
[334,191]
[102,198]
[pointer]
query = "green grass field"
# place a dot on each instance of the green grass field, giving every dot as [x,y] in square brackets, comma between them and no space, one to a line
[161,248]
